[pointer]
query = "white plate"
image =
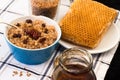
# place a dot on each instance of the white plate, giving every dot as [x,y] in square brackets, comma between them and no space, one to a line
[110,39]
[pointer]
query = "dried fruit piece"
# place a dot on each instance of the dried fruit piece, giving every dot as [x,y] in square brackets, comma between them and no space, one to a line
[34,34]
[42,40]
[18,24]
[28,21]
[46,31]
[17,35]
[25,41]
[27,31]
[43,25]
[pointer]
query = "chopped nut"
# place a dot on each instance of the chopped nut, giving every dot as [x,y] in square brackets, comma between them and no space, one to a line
[15,73]
[21,73]
[28,74]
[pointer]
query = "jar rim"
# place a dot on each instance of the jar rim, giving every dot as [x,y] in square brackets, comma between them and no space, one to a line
[67,52]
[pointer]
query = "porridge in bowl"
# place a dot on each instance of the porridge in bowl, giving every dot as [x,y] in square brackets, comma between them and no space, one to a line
[34,38]
[32,34]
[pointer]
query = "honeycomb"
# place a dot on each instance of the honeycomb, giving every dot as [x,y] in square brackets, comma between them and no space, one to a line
[86,22]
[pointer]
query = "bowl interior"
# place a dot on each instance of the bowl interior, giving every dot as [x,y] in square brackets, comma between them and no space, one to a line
[45,19]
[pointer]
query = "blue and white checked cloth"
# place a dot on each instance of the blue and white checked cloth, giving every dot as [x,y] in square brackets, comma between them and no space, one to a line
[10,69]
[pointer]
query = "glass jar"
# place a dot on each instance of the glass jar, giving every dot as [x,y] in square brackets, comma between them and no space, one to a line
[74,64]
[46,8]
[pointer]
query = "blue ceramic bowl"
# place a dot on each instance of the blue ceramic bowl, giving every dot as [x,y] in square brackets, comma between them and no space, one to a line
[33,56]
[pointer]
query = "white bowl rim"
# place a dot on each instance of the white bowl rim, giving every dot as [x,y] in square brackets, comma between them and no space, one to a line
[38,17]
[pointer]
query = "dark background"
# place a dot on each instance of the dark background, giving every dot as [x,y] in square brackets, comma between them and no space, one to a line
[113,72]
[111,3]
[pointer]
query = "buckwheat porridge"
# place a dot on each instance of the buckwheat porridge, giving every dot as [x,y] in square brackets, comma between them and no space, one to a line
[32,34]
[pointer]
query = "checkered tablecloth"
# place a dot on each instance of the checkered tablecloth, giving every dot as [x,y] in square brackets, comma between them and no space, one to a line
[11,69]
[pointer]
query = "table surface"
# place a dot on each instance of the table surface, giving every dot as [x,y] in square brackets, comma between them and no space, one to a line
[10,69]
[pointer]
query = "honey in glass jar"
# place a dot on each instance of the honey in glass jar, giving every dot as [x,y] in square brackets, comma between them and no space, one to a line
[74,64]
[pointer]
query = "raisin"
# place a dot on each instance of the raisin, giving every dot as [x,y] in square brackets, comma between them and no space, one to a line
[18,24]
[35,34]
[25,41]
[32,33]
[43,25]
[27,31]
[42,40]
[17,35]
[46,31]
[28,21]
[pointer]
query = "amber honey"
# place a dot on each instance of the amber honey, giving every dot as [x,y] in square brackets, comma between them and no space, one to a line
[64,75]
[74,65]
